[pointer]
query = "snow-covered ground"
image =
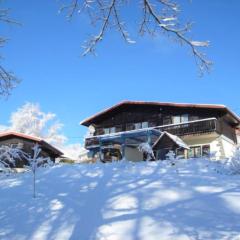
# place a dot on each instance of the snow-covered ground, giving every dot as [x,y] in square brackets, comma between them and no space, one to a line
[122,201]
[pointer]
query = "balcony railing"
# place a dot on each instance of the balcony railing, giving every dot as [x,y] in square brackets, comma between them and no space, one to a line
[188,128]
[193,127]
[91,142]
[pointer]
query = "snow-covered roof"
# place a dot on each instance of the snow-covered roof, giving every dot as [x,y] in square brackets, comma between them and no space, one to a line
[21,135]
[175,138]
[31,138]
[89,120]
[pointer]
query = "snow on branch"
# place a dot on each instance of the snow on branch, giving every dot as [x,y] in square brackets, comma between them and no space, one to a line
[31,120]
[158,17]
[8,157]
[35,161]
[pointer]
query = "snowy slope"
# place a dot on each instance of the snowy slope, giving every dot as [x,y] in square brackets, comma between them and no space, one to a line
[122,201]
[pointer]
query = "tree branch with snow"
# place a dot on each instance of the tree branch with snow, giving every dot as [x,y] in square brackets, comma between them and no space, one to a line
[158,17]
[34,162]
[31,120]
[9,156]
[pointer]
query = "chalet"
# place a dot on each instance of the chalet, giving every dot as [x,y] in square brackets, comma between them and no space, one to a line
[26,143]
[191,130]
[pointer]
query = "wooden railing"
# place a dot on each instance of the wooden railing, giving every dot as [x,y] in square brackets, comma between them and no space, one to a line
[181,129]
[188,128]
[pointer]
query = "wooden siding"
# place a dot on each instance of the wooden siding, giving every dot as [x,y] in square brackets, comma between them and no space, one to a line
[155,116]
[123,119]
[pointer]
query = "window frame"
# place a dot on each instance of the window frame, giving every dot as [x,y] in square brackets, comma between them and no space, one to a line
[183,118]
[201,151]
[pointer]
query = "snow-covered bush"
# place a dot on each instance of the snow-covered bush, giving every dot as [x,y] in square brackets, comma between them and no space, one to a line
[171,156]
[145,148]
[8,157]
[234,162]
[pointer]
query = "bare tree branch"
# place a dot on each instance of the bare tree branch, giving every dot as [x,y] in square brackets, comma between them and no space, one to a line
[159,16]
[8,80]
[201,61]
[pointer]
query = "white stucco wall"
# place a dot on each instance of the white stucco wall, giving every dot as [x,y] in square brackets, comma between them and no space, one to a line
[238,139]
[223,147]
[220,146]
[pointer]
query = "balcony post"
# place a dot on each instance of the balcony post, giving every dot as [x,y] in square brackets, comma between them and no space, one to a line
[100,151]
[149,137]
[123,146]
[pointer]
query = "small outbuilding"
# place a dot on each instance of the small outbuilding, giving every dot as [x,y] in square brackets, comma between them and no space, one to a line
[168,142]
[26,143]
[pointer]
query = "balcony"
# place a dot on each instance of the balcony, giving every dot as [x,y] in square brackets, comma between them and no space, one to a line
[189,128]
[193,127]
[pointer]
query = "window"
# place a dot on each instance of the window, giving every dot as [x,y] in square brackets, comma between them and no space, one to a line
[109,130]
[180,119]
[206,151]
[176,119]
[112,130]
[106,130]
[140,125]
[17,145]
[194,152]
[144,124]
[199,151]
[137,125]
[184,118]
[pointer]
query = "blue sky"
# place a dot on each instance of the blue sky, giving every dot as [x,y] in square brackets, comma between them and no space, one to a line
[45,53]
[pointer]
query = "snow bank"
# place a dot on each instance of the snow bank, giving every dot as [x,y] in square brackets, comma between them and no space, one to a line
[146,200]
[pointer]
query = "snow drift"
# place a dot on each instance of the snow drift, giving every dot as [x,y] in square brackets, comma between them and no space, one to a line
[146,200]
